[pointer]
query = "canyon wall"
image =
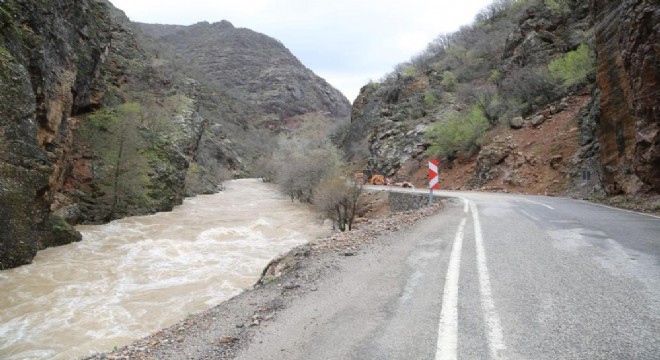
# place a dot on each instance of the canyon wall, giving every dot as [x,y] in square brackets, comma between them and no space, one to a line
[628,45]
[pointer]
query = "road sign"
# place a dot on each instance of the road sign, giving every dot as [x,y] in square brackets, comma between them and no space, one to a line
[434,180]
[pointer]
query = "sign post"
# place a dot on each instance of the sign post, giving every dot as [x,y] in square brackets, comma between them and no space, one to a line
[434,181]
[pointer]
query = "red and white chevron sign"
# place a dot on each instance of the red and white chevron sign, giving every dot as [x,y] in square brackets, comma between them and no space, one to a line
[434,180]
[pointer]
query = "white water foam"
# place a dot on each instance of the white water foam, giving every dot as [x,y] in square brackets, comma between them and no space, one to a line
[134,276]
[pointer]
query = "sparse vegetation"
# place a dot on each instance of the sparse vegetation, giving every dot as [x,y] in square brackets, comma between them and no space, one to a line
[559,6]
[121,168]
[308,167]
[449,80]
[430,100]
[529,88]
[459,132]
[574,67]
[301,164]
[338,199]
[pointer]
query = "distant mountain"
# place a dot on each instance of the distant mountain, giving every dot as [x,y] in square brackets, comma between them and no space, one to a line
[253,67]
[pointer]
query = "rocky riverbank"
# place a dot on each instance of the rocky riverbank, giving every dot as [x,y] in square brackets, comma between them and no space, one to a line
[218,333]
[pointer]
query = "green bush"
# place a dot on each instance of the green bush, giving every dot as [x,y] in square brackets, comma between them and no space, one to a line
[574,67]
[559,6]
[449,81]
[495,76]
[460,132]
[372,85]
[409,71]
[430,100]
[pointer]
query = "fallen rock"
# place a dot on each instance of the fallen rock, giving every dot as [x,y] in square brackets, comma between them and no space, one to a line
[555,161]
[538,120]
[516,122]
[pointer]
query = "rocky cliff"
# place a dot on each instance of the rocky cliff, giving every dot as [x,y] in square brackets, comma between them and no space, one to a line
[497,64]
[50,61]
[629,126]
[74,130]
[515,70]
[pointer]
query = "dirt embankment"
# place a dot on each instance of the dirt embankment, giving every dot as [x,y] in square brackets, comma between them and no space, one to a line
[545,154]
[218,333]
[533,159]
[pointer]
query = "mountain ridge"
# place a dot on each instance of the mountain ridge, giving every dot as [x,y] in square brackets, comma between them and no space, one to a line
[229,54]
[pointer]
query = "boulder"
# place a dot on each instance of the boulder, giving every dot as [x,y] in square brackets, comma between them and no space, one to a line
[488,160]
[517,122]
[555,161]
[538,120]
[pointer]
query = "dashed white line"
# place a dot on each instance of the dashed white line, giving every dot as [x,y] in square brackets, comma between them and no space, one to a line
[447,348]
[496,343]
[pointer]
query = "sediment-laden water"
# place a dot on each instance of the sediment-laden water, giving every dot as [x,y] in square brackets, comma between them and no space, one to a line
[134,276]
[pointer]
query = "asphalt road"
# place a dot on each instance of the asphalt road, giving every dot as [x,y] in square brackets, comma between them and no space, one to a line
[493,276]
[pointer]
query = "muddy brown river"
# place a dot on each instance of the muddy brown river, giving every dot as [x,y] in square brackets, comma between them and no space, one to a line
[133,276]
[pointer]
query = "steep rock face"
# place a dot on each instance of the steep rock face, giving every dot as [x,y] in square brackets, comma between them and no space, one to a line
[388,122]
[91,127]
[541,34]
[50,56]
[628,58]
[253,67]
[389,118]
[141,127]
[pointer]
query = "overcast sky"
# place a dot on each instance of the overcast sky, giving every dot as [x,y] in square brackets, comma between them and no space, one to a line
[347,42]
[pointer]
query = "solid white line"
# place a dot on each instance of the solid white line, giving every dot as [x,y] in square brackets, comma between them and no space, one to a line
[465,208]
[537,203]
[447,348]
[493,328]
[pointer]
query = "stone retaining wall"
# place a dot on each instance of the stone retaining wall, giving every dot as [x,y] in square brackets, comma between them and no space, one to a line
[409,201]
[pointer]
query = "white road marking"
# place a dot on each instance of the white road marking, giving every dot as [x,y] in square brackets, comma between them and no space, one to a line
[536,202]
[493,327]
[465,208]
[563,221]
[529,215]
[448,327]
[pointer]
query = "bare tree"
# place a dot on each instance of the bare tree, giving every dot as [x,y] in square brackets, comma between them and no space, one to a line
[338,199]
[301,164]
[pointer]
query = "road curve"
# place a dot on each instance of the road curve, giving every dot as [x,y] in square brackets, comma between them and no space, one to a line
[493,276]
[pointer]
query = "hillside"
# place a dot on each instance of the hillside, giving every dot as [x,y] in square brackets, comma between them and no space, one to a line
[523,100]
[254,68]
[99,121]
